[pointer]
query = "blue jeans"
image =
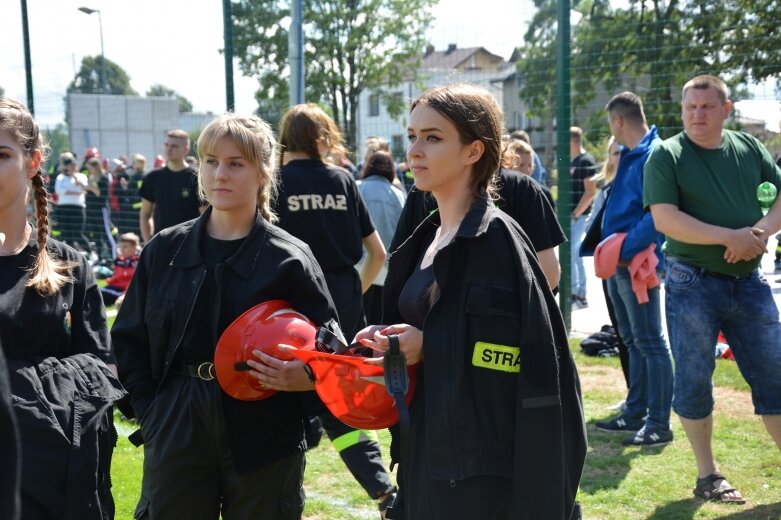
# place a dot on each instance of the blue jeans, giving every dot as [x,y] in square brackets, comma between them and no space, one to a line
[699,304]
[578,232]
[650,364]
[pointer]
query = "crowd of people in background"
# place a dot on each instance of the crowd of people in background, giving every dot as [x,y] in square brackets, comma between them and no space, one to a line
[452,249]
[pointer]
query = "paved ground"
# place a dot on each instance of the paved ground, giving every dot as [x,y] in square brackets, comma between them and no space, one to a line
[589,320]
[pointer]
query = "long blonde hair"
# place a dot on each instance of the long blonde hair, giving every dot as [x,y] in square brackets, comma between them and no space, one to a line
[255,141]
[48,274]
[609,169]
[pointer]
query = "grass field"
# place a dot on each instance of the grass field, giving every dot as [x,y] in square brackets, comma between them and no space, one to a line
[618,482]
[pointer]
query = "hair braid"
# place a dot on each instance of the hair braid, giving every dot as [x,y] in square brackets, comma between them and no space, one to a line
[48,274]
[41,209]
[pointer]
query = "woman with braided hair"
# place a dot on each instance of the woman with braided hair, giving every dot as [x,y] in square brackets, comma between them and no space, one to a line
[54,335]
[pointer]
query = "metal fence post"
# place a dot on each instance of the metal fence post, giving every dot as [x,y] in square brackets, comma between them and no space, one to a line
[563,157]
[227,18]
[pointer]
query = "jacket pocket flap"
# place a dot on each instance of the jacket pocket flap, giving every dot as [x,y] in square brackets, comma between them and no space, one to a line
[487,299]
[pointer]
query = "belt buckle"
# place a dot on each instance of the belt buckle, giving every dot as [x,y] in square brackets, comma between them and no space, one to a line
[208,367]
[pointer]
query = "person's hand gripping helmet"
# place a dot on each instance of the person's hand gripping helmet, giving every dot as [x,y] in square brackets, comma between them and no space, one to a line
[263,327]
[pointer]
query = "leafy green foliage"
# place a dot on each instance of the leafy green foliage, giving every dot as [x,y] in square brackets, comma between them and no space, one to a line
[349,46]
[651,48]
[58,140]
[162,91]
[88,78]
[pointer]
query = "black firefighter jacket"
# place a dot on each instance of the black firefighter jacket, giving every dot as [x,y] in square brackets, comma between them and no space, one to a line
[63,407]
[148,331]
[502,395]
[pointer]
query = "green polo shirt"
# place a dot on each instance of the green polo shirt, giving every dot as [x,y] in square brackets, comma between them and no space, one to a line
[716,186]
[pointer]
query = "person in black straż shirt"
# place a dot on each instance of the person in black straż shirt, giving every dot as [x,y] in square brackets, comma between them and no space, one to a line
[54,336]
[520,197]
[496,422]
[582,167]
[320,204]
[169,195]
[206,454]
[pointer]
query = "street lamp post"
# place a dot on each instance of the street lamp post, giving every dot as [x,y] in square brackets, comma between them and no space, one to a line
[103,78]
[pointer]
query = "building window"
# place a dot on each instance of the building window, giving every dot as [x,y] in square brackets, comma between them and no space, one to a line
[374,105]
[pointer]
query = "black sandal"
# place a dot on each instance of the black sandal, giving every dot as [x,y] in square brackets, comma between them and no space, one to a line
[706,488]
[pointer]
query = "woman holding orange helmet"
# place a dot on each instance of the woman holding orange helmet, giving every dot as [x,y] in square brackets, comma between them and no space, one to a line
[497,425]
[207,454]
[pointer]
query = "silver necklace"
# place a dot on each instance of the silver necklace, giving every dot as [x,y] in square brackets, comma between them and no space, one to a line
[445,237]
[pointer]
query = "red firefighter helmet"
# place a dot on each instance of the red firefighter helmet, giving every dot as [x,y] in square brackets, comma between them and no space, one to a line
[263,327]
[353,390]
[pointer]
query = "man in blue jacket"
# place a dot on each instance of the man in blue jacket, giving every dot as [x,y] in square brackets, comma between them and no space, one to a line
[648,402]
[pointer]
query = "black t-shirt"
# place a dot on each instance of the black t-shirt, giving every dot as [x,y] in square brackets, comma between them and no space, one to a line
[520,196]
[72,321]
[96,203]
[548,195]
[582,167]
[126,187]
[175,195]
[197,342]
[321,205]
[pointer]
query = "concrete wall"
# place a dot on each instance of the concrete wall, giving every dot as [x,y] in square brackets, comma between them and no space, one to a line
[120,124]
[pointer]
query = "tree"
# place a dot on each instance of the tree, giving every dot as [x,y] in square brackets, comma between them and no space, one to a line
[163,91]
[651,47]
[350,46]
[58,140]
[2,92]
[87,80]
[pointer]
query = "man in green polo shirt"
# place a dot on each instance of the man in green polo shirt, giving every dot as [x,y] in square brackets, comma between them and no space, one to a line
[701,188]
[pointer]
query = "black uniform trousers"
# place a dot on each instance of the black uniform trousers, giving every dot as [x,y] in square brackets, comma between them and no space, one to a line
[188,465]
[372,305]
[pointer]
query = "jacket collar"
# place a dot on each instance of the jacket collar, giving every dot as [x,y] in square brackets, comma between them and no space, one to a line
[476,220]
[475,223]
[242,261]
[647,141]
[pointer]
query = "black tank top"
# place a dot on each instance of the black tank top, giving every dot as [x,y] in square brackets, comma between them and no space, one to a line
[414,300]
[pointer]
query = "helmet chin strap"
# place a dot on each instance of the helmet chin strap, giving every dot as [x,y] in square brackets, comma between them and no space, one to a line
[397,384]
[328,342]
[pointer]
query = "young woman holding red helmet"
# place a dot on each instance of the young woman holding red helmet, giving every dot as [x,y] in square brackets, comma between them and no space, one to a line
[207,454]
[497,426]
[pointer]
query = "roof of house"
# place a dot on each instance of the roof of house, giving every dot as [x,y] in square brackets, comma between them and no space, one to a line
[453,57]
